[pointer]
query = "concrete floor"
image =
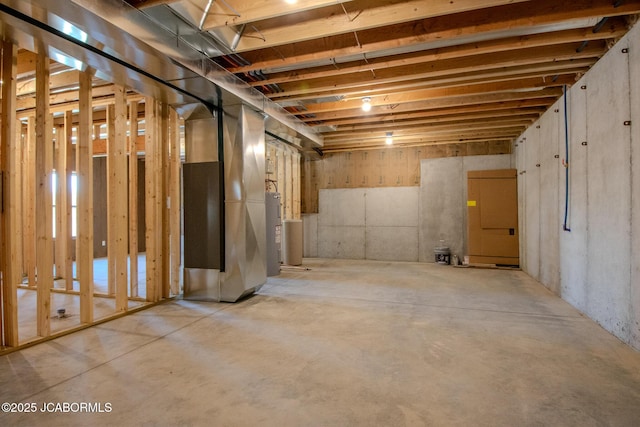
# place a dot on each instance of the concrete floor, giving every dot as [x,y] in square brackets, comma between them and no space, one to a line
[347,343]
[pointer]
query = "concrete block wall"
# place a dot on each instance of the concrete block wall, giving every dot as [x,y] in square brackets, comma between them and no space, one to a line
[596,265]
[443,200]
[365,223]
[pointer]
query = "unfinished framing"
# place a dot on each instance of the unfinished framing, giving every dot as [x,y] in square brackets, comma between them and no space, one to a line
[48,224]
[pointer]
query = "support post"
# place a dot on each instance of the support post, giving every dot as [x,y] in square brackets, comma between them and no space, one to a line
[84,164]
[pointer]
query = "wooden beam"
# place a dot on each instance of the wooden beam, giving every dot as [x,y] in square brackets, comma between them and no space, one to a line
[360,15]
[10,217]
[557,38]
[44,201]
[221,14]
[84,164]
[486,102]
[133,197]
[493,23]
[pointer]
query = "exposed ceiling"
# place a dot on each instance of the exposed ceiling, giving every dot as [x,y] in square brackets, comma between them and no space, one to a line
[436,71]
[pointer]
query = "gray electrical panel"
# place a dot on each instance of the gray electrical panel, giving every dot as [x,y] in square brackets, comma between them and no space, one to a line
[274,233]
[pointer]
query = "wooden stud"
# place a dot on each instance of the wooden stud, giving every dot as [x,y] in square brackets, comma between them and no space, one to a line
[68,173]
[117,196]
[288,194]
[10,156]
[150,200]
[62,195]
[29,202]
[44,202]
[174,197]
[111,203]
[295,182]
[282,184]
[133,198]
[84,165]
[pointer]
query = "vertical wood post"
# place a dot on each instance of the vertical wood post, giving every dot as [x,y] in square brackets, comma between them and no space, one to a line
[29,202]
[119,184]
[10,259]
[68,173]
[151,195]
[62,195]
[133,198]
[44,201]
[84,168]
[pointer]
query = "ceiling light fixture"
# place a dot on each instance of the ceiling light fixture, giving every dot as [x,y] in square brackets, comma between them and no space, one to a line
[366,104]
[291,1]
[389,139]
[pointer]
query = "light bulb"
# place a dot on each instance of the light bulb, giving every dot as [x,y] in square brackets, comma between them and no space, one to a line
[366,104]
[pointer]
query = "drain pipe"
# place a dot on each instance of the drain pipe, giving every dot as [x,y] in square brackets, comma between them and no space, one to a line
[565,162]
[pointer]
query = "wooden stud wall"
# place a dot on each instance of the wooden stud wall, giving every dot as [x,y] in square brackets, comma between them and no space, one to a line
[10,158]
[283,175]
[389,167]
[31,150]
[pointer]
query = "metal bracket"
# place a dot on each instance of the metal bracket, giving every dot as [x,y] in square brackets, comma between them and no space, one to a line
[584,143]
[627,122]
[583,87]
[557,156]
[538,165]
[625,50]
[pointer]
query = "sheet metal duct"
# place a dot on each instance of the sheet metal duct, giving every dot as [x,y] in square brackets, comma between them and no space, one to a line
[237,267]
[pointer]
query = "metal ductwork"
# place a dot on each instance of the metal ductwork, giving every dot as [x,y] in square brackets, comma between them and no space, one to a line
[224,204]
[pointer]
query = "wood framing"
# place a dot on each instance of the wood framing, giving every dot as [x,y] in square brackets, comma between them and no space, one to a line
[84,164]
[44,201]
[133,198]
[29,202]
[152,212]
[10,217]
[117,195]
[68,173]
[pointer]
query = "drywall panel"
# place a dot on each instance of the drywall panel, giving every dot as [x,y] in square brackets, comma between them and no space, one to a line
[609,193]
[310,233]
[392,243]
[443,200]
[344,242]
[342,207]
[392,207]
[634,88]
[549,209]
[532,207]
[573,242]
